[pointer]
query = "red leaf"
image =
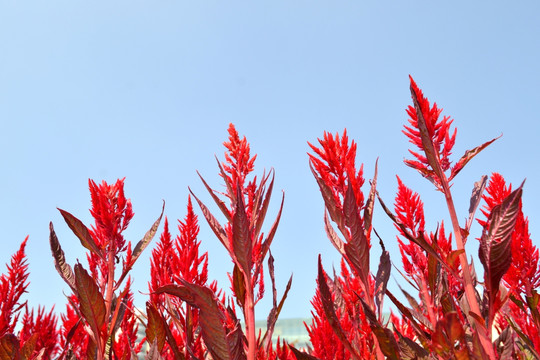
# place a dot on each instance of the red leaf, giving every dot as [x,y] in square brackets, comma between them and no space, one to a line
[357,248]
[63,268]
[476,197]
[211,316]
[368,210]
[469,154]
[141,245]
[91,303]
[241,231]
[329,201]
[328,307]
[495,244]
[9,347]
[82,232]
[261,211]
[383,274]
[300,355]
[155,328]
[387,342]
[272,232]
[214,224]
[333,236]
[216,199]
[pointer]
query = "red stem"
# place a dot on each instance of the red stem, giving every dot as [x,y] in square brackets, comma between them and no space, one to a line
[249,317]
[470,293]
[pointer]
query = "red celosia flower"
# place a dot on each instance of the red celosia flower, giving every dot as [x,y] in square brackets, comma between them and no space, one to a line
[438,132]
[336,166]
[12,286]
[112,213]
[44,325]
[238,162]
[173,262]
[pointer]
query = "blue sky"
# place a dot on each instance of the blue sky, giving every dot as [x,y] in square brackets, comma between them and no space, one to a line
[145,90]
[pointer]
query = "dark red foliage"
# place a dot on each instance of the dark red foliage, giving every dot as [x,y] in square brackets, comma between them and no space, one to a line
[524,273]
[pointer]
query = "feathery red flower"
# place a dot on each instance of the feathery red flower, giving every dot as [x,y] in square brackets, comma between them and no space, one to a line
[437,133]
[336,166]
[44,326]
[12,286]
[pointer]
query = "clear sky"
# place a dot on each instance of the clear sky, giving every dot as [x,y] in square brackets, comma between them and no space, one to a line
[146,89]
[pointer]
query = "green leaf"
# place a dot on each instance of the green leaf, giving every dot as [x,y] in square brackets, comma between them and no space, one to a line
[82,232]
[91,303]
[63,268]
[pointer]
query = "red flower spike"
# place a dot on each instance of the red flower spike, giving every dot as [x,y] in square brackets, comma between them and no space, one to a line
[431,136]
[44,326]
[238,163]
[335,164]
[12,286]
[241,235]
[112,213]
[175,262]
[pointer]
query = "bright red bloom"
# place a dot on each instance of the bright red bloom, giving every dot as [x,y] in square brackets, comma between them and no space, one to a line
[336,166]
[238,162]
[112,213]
[173,262]
[44,325]
[12,286]
[438,132]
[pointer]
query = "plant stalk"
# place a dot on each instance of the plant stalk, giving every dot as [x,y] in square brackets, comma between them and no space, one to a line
[470,292]
[249,316]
